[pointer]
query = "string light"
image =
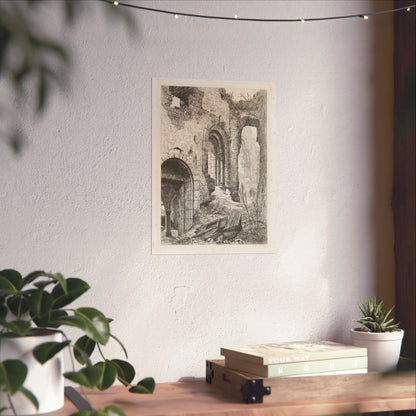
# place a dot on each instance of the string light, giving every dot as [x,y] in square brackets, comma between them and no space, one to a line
[249,19]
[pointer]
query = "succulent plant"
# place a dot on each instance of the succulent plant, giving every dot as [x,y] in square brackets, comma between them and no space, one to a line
[375,318]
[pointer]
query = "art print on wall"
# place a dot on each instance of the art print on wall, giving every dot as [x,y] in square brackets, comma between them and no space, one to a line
[210,166]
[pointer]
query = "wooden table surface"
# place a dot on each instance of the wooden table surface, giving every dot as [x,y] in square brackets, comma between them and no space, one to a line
[198,398]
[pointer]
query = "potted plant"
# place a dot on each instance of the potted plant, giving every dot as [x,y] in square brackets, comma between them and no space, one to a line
[34,310]
[380,335]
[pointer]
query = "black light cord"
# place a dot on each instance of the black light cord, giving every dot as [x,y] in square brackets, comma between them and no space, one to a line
[249,19]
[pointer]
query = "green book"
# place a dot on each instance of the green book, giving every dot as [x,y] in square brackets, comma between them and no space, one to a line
[337,365]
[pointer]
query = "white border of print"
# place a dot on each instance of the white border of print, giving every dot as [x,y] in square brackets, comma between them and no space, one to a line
[157,247]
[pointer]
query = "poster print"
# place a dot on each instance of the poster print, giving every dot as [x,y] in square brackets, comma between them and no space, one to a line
[210,166]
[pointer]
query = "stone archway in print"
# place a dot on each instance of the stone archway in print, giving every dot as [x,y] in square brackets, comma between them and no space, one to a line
[177,194]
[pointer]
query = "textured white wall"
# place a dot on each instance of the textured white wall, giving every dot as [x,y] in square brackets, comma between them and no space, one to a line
[79,198]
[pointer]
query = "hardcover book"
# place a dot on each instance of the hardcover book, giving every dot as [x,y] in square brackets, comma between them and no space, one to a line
[315,367]
[292,352]
[331,373]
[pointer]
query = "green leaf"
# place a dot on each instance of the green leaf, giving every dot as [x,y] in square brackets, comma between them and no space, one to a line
[16,138]
[88,376]
[13,276]
[89,320]
[12,375]
[82,356]
[105,411]
[110,411]
[30,396]
[52,46]
[83,413]
[40,304]
[62,281]
[6,287]
[70,11]
[55,316]
[75,321]
[43,284]
[75,288]
[375,318]
[45,351]
[388,313]
[20,73]
[83,349]
[31,277]
[43,89]
[98,328]
[18,305]
[54,277]
[108,374]
[18,327]
[125,371]
[3,312]
[145,386]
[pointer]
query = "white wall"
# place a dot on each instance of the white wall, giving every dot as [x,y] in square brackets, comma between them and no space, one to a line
[79,198]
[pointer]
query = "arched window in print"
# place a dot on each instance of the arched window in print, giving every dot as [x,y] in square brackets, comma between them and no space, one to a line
[249,165]
[215,159]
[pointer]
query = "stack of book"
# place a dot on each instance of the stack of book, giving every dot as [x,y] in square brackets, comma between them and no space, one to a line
[296,359]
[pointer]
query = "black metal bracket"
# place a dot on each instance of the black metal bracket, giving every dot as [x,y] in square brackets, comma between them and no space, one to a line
[77,399]
[209,372]
[253,391]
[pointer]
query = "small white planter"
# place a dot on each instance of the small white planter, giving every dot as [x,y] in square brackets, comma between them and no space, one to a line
[44,381]
[383,348]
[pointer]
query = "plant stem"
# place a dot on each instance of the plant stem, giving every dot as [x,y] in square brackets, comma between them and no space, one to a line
[73,369]
[19,310]
[101,353]
[11,404]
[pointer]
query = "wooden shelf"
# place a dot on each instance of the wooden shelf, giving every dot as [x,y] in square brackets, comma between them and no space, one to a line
[307,396]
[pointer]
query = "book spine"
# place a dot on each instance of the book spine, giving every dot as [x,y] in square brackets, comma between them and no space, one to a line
[261,358]
[313,367]
[314,356]
[333,373]
[288,369]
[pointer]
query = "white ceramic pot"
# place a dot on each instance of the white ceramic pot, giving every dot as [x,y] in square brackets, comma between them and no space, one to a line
[383,348]
[44,381]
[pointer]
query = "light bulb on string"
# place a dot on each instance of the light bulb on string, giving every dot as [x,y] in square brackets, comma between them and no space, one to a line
[249,19]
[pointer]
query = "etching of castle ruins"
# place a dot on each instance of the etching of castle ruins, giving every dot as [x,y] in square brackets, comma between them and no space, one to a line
[210,170]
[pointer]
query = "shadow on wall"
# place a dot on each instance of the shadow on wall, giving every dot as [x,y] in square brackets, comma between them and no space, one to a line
[403,202]
[364,246]
[382,142]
